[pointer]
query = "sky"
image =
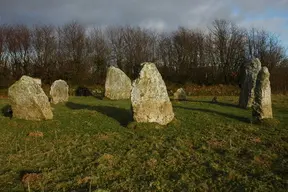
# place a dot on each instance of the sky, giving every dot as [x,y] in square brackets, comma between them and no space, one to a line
[162,15]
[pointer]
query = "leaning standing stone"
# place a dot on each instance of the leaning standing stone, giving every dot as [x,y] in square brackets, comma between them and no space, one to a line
[28,100]
[262,107]
[59,91]
[149,97]
[117,85]
[180,94]
[248,83]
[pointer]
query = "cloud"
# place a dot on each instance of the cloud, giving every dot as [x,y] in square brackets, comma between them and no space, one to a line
[158,14]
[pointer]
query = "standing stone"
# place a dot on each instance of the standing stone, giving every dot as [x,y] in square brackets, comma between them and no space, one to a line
[38,81]
[28,100]
[248,83]
[262,107]
[117,85]
[59,91]
[149,97]
[180,94]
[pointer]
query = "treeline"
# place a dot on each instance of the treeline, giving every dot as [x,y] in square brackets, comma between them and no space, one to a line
[81,55]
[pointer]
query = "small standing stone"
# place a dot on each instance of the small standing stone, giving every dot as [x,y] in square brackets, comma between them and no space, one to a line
[262,105]
[248,83]
[117,85]
[28,100]
[214,100]
[59,91]
[180,94]
[149,97]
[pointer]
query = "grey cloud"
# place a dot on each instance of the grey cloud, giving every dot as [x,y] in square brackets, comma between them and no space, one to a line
[108,12]
[160,14]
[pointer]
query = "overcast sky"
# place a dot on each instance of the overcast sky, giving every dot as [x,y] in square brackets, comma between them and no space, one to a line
[271,15]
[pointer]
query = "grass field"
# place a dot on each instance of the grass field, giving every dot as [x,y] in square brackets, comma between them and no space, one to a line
[92,145]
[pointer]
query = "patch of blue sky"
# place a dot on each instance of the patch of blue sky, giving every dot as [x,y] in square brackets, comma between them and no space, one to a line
[235,10]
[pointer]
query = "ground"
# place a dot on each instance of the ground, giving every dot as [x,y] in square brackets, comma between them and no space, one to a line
[93,145]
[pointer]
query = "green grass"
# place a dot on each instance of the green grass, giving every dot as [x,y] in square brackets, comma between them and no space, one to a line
[92,144]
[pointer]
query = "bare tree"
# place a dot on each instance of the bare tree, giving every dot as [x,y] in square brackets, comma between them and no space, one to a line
[140,46]
[81,56]
[227,48]
[130,46]
[266,46]
[72,52]
[2,41]
[186,52]
[44,52]
[3,51]
[5,75]
[99,54]
[116,44]
[165,55]
[18,39]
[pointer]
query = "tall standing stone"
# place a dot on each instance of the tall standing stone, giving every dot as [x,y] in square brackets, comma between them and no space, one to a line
[117,85]
[180,94]
[248,83]
[149,97]
[59,91]
[28,100]
[262,106]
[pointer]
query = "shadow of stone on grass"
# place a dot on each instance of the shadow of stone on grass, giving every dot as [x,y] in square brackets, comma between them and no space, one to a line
[216,103]
[123,116]
[239,118]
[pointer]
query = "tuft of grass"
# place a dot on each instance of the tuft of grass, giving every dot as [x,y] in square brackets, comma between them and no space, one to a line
[269,122]
[94,145]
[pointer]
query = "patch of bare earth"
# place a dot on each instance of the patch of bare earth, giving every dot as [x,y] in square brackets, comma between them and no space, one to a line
[83,180]
[31,178]
[36,134]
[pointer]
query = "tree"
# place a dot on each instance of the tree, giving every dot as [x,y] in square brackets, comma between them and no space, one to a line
[72,52]
[226,48]
[81,56]
[266,46]
[98,54]
[18,39]
[115,37]
[140,46]
[5,71]
[44,42]
[188,49]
